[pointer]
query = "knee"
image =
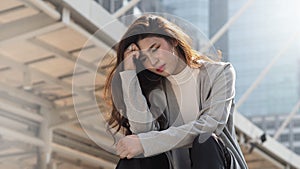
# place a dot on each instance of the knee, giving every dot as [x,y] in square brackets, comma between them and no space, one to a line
[204,147]
[205,153]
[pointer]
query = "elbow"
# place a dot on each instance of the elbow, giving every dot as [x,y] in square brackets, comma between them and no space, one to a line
[142,128]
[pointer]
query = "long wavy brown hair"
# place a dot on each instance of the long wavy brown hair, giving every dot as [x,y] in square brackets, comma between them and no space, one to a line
[146,26]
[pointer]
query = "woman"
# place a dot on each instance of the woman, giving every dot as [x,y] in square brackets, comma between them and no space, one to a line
[174,105]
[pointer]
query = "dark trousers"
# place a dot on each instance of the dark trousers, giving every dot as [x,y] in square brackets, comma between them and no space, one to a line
[210,154]
[154,162]
[207,155]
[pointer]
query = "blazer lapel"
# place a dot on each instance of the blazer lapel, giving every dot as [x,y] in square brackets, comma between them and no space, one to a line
[173,112]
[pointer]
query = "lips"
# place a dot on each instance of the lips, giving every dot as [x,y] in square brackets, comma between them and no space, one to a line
[161,68]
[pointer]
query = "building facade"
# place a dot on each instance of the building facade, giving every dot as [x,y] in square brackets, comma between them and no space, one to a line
[290,137]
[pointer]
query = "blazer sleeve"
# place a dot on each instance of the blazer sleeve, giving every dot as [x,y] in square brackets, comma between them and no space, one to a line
[219,83]
[137,111]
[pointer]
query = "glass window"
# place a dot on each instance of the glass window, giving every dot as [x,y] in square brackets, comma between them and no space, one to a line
[284,138]
[297,150]
[297,137]
[296,123]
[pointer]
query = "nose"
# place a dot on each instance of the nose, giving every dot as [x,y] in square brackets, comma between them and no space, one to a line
[153,60]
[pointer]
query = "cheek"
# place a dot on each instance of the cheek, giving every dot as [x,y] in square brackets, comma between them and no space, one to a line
[163,53]
[150,68]
[147,65]
[173,60]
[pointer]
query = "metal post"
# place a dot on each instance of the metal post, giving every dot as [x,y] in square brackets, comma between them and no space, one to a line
[66,16]
[53,165]
[46,135]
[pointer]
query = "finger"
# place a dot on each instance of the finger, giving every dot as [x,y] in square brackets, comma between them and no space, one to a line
[120,150]
[119,146]
[129,156]
[130,54]
[136,50]
[127,52]
[130,48]
[135,54]
[134,47]
[120,142]
[124,154]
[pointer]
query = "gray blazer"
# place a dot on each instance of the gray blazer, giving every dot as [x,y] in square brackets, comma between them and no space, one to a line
[217,90]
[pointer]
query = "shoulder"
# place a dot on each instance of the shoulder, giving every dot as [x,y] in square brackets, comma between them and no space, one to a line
[212,70]
[216,66]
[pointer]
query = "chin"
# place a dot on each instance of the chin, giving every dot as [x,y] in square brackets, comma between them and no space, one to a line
[164,74]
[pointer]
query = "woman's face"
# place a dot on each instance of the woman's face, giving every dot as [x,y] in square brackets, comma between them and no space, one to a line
[159,56]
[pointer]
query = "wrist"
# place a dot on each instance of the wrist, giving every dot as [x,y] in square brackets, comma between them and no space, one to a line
[129,63]
[129,66]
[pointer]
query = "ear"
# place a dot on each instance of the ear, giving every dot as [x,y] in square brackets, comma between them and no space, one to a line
[175,43]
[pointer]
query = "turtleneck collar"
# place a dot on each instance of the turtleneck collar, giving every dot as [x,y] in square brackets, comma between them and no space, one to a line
[182,77]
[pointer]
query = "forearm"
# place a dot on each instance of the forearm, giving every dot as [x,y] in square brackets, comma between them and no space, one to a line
[137,112]
[156,142]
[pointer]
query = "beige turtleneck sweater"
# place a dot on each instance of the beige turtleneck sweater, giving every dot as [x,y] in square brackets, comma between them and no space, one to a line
[186,88]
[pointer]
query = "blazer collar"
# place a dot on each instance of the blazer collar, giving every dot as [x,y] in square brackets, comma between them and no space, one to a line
[173,112]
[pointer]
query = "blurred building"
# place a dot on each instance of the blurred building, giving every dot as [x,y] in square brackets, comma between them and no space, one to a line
[110,6]
[265,31]
[194,11]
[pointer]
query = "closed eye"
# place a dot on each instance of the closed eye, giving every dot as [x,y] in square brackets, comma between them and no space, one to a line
[155,49]
[143,58]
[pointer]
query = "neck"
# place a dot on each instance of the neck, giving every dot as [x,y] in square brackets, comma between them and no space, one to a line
[180,64]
